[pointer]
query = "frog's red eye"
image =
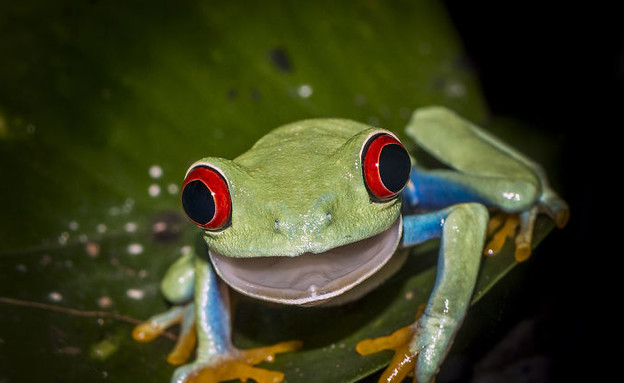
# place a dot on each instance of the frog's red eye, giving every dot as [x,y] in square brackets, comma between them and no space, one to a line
[206,199]
[386,166]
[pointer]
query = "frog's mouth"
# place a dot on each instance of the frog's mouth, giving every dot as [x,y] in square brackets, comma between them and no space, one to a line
[312,279]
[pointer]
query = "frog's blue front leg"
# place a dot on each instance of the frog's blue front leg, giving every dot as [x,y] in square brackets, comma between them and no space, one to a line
[423,345]
[212,313]
[217,359]
[201,305]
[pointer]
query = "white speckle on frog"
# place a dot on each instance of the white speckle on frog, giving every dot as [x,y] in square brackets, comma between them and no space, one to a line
[135,248]
[173,188]
[185,250]
[305,91]
[155,171]
[135,294]
[55,296]
[21,268]
[153,190]
[511,196]
[73,225]
[130,227]
[101,228]
[142,273]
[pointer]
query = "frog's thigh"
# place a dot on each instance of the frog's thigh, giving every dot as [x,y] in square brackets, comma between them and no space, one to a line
[179,281]
[466,147]
[486,166]
[462,240]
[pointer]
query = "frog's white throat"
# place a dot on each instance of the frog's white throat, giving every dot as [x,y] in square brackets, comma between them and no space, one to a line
[336,276]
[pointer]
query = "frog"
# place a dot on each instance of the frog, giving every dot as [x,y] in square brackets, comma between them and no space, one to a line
[321,211]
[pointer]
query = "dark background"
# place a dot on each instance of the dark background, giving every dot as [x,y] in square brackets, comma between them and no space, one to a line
[559,67]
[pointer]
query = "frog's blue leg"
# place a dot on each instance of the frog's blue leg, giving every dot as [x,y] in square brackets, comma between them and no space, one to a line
[484,170]
[213,320]
[217,359]
[422,346]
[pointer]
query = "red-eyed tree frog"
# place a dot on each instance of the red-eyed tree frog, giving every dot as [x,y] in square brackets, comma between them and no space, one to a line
[315,213]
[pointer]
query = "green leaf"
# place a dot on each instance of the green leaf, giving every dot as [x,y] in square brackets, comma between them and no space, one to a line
[104,104]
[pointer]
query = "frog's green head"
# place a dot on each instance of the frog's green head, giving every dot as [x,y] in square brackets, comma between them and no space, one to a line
[313,191]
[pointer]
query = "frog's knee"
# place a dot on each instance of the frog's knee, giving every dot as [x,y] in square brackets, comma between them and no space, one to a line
[178,284]
[517,196]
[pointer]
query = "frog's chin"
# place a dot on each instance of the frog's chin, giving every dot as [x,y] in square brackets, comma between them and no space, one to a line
[336,276]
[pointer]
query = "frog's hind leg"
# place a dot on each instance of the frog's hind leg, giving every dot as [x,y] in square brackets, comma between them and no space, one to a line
[484,170]
[187,339]
[156,325]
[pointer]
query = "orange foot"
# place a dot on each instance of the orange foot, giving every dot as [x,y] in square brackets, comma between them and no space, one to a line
[237,364]
[510,225]
[520,225]
[404,361]
[240,365]
[156,325]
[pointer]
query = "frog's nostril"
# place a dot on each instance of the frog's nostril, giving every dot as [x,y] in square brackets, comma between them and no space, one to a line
[328,218]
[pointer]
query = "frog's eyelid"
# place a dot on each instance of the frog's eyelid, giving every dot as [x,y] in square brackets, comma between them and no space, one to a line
[205,164]
[372,134]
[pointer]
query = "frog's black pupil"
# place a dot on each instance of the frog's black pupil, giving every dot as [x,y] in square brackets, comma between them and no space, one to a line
[198,202]
[394,167]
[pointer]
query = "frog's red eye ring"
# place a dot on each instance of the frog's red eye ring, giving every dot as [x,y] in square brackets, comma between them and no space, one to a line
[206,199]
[386,166]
